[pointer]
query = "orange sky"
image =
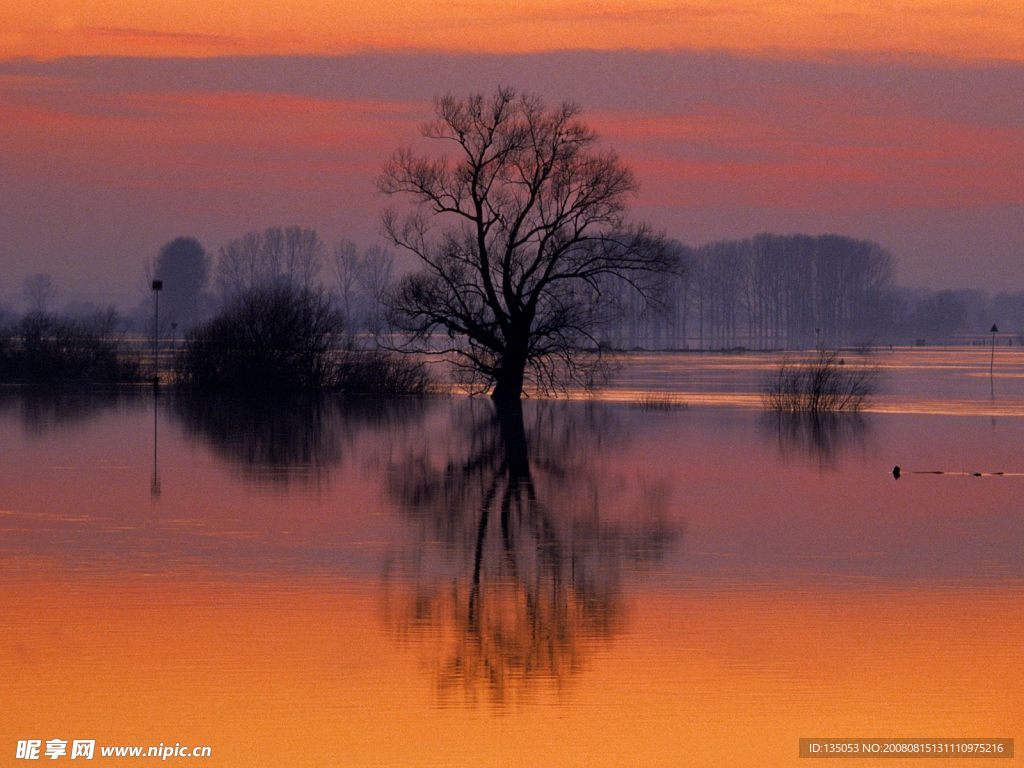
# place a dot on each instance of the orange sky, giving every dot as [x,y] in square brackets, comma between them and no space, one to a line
[949,28]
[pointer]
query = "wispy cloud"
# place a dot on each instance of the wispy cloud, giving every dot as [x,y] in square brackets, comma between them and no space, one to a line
[188,38]
[472,15]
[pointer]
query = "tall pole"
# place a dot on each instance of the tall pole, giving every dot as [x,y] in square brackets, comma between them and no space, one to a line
[157,286]
[992,360]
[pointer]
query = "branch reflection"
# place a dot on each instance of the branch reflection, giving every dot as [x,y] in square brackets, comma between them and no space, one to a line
[524,530]
[821,438]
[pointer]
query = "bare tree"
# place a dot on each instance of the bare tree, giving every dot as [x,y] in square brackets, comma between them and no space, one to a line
[303,256]
[277,255]
[238,265]
[40,292]
[821,384]
[532,216]
[374,283]
[363,281]
[346,273]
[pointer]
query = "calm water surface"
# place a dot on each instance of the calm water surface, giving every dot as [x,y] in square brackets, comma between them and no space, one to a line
[320,582]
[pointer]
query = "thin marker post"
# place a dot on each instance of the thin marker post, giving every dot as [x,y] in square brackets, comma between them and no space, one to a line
[992,361]
[157,287]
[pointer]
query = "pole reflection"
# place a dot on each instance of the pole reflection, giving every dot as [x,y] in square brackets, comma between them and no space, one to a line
[154,483]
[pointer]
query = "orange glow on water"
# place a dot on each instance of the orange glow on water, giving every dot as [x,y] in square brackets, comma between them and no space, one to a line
[338,586]
[953,381]
[304,673]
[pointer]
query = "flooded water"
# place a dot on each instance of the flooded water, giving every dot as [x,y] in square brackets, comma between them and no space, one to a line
[627,581]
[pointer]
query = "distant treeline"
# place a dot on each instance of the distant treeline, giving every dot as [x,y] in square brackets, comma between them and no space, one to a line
[796,291]
[764,292]
[197,284]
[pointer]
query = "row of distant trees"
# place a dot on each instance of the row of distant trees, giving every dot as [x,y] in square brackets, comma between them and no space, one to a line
[765,292]
[795,291]
[195,283]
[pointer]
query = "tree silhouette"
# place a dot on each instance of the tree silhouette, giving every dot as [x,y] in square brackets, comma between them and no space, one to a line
[276,336]
[40,292]
[184,267]
[363,279]
[275,256]
[532,226]
[516,565]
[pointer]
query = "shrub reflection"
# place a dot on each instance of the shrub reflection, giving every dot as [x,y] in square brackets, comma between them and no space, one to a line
[278,440]
[820,438]
[42,410]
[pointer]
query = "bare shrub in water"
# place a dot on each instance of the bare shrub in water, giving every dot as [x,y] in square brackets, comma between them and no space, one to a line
[46,349]
[823,384]
[381,372]
[661,401]
[273,337]
[285,337]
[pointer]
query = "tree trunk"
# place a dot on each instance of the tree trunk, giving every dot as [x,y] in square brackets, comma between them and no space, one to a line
[508,385]
[512,431]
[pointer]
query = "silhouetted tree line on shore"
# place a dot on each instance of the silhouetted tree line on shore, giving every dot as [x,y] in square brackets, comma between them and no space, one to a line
[257,316]
[285,336]
[796,292]
[42,348]
[528,270]
[757,293]
[197,284]
[765,292]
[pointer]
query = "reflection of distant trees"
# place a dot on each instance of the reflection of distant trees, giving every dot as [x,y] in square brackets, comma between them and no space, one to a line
[44,409]
[285,438]
[819,437]
[521,545]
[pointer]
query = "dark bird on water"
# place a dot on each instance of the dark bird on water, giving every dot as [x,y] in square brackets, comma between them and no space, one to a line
[896,471]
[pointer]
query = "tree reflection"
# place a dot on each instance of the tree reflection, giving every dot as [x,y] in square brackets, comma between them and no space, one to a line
[523,533]
[283,439]
[48,409]
[821,438]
